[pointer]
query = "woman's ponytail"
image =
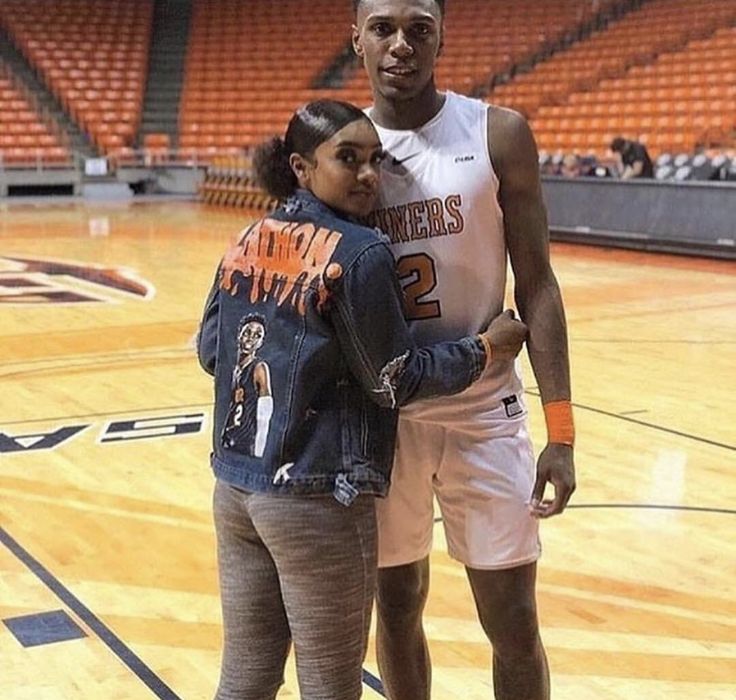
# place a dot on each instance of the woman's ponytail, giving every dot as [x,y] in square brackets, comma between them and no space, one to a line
[272,169]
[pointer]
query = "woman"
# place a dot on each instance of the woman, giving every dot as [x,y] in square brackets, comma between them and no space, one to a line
[304,333]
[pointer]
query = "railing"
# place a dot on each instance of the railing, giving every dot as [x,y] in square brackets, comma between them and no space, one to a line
[38,162]
[158,157]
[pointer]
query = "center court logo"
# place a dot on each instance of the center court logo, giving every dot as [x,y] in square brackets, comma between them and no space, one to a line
[25,281]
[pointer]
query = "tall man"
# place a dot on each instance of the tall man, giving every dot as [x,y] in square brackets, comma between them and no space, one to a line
[460,191]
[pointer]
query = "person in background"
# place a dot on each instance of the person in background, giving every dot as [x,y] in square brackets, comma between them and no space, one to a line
[571,166]
[633,158]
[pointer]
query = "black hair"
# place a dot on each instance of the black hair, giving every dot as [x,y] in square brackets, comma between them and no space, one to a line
[618,144]
[440,4]
[310,126]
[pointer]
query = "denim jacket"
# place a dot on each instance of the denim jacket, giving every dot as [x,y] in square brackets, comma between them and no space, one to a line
[304,332]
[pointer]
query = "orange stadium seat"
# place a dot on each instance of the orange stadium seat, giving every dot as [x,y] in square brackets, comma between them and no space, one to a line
[664,71]
[231,66]
[93,54]
[26,136]
[673,83]
[237,91]
[484,39]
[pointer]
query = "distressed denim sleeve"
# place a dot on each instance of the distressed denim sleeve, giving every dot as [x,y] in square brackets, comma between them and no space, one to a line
[207,333]
[368,315]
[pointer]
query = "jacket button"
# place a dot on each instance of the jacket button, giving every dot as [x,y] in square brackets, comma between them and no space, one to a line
[333,271]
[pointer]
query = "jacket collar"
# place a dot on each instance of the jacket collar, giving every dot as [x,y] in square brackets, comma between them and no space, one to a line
[304,200]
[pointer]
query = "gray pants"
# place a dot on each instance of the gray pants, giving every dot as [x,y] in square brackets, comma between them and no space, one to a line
[294,568]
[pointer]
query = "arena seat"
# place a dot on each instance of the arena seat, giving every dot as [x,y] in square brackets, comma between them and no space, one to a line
[483,39]
[26,137]
[675,92]
[237,66]
[92,54]
[228,182]
[242,83]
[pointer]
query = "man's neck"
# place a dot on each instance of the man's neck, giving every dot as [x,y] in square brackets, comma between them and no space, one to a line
[407,114]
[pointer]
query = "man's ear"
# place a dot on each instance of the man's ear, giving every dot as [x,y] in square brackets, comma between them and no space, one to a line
[442,40]
[357,44]
[301,168]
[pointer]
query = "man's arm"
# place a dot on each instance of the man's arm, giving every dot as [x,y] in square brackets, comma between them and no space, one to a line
[633,170]
[537,294]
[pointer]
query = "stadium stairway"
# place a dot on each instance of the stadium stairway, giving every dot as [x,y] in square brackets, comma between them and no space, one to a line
[171,19]
[22,70]
[339,69]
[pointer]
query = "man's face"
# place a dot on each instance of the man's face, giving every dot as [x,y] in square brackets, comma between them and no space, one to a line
[251,336]
[399,41]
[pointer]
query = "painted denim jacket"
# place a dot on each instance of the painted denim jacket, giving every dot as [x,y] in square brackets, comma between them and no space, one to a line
[304,333]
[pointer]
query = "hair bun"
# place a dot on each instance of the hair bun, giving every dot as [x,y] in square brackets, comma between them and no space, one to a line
[272,169]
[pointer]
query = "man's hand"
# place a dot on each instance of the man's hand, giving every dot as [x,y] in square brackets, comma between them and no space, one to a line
[554,466]
[506,336]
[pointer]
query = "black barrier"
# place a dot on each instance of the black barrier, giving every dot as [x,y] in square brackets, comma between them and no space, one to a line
[679,217]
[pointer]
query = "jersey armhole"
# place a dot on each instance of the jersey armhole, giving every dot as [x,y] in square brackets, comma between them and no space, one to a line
[485,123]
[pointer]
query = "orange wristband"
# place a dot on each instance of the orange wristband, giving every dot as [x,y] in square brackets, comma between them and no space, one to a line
[488,348]
[560,426]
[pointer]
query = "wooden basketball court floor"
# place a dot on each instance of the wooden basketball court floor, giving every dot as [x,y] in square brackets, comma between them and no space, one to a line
[107,572]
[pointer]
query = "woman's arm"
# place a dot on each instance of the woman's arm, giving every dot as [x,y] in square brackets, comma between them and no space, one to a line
[368,314]
[207,334]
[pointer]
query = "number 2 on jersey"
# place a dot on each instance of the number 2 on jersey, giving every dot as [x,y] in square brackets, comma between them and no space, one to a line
[418,277]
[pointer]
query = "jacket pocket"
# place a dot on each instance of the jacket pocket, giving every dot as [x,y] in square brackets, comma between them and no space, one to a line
[355,423]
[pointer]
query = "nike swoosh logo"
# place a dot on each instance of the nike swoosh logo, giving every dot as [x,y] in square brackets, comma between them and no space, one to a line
[399,161]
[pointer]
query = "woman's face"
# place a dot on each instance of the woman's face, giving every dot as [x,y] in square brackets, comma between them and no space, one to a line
[343,172]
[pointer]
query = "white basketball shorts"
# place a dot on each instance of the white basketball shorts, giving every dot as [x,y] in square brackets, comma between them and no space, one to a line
[482,476]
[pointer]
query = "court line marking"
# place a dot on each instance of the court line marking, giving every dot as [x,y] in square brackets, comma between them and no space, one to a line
[655,506]
[644,506]
[114,361]
[103,414]
[652,341]
[653,426]
[106,635]
[373,683]
[530,392]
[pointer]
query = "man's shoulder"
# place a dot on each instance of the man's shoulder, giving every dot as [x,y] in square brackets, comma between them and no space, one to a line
[509,134]
[505,118]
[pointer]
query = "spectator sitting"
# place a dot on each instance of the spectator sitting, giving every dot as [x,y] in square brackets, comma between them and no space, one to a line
[570,166]
[634,160]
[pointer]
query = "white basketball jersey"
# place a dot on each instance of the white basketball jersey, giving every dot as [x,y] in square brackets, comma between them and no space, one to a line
[438,204]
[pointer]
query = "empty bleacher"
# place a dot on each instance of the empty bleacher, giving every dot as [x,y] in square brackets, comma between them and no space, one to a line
[250,64]
[484,39]
[663,72]
[92,54]
[229,182]
[652,76]
[27,138]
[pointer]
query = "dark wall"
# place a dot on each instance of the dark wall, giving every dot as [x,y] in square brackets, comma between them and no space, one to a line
[687,217]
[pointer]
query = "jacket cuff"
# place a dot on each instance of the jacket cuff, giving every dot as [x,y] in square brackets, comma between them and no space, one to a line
[481,358]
